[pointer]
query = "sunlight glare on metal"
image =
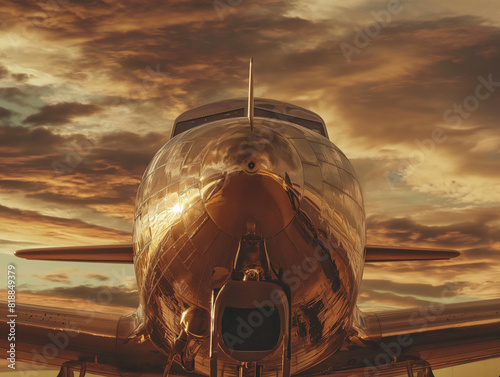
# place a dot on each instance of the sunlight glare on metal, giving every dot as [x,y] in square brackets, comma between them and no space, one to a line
[177,208]
[174,207]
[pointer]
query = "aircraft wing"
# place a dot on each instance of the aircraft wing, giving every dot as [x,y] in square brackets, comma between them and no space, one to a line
[99,254]
[100,343]
[125,254]
[439,335]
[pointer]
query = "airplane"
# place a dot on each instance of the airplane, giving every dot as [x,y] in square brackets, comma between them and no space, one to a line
[249,243]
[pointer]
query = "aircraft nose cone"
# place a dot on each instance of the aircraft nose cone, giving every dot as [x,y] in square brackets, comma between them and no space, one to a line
[252,176]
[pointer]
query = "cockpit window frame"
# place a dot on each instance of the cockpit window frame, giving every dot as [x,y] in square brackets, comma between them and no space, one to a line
[195,122]
[306,123]
[185,125]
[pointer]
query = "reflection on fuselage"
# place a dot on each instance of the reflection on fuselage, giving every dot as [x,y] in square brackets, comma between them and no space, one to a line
[192,205]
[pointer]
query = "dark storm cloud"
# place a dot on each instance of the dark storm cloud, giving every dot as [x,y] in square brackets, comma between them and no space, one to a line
[125,150]
[20,185]
[99,277]
[457,51]
[12,94]
[22,141]
[61,113]
[443,270]
[128,150]
[206,54]
[54,278]
[475,237]
[107,173]
[20,77]
[115,296]
[4,113]
[209,65]
[31,218]
[118,194]
[203,66]
[4,72]
[405,231]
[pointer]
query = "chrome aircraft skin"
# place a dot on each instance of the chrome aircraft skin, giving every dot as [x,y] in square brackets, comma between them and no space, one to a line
[302,192]
[261,217]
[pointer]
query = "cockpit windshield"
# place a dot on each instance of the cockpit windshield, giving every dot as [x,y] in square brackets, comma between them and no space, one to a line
[185,125]
[181,127]
[310,124]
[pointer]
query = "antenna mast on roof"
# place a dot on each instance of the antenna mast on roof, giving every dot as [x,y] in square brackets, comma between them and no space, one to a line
[250,95]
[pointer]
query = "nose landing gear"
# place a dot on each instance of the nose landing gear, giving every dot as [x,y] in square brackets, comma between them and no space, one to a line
[245,369]
[251,312]
[418,368]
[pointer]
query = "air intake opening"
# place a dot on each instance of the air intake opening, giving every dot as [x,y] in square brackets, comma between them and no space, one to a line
[251,329]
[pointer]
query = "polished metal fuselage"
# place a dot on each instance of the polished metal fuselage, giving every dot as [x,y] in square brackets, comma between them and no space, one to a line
[195,198]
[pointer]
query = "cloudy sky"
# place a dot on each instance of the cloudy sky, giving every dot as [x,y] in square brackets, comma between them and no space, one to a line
[410,92]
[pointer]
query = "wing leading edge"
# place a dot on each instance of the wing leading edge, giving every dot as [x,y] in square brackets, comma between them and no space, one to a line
[125,254]
[99,254]
[393,343]
[101,343]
